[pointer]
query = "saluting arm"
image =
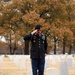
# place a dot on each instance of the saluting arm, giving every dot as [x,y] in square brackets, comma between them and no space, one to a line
[28,37]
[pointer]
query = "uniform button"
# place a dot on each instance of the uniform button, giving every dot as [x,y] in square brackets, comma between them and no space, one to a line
[43,41]
[39,39]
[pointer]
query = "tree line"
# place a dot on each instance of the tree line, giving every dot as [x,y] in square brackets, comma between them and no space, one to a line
[19,17]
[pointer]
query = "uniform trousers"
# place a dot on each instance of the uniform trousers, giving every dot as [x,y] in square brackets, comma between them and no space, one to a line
[38,66]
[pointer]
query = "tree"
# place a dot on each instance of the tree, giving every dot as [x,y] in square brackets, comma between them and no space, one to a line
[70,17]
[18,18]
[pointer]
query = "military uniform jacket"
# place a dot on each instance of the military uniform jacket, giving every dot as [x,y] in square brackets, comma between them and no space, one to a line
[38,45]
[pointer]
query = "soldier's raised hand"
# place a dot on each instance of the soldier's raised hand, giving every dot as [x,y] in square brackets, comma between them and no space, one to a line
[33,32]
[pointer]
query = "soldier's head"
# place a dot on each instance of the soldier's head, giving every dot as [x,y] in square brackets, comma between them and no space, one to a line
[38,28]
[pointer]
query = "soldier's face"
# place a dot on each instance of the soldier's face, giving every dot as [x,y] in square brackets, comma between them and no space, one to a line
[38,31]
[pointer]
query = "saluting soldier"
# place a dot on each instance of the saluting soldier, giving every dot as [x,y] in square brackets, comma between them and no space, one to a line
[38,50]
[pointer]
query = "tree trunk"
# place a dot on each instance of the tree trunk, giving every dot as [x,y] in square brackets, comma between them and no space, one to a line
[10,45]
[74,46]
[26,51]
[64,45]
[14,47]
[70,49]
[10,49]
[54,46]
[14,44]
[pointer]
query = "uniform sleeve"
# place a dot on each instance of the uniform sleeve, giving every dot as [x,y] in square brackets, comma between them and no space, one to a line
[27,37]
[46,44]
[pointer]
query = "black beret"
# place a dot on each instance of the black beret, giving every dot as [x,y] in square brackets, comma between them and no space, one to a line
[38,26]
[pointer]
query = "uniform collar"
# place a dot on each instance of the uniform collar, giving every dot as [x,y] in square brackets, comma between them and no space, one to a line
[38,35]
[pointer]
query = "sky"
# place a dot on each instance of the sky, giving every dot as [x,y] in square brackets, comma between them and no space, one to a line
[2,39]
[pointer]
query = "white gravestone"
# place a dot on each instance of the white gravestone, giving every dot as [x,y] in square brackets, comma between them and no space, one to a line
[70,62]
[63,68]
[47,63]
[52,71]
